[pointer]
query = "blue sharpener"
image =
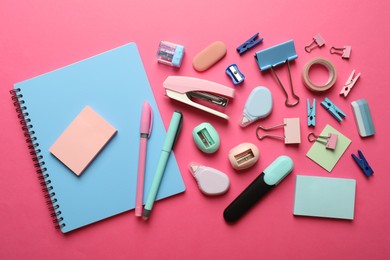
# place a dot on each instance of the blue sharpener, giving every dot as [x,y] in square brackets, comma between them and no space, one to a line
[235,74]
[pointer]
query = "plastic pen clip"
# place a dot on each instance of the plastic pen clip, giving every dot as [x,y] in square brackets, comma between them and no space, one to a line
[146,120]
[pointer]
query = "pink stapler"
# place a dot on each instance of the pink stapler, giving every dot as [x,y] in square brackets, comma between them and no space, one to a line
[188,89]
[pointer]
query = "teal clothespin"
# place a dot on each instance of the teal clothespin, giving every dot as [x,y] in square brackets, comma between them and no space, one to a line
[311,113]
[333,109]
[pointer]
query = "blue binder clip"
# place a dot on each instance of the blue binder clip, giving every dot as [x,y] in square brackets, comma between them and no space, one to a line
[275,56]
[333,109]
[363,164]
[250,43]
[235,74]
[311,113]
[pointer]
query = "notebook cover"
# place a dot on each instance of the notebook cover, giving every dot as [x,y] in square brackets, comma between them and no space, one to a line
[82,140]
[115,84]
[324,197]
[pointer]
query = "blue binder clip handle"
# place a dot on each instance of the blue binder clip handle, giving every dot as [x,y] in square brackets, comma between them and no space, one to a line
[248,44]
[363,164]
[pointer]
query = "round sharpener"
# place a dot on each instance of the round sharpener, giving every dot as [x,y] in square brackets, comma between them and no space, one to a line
[206,138]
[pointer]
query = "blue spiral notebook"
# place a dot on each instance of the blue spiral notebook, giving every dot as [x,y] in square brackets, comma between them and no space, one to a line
[115,84]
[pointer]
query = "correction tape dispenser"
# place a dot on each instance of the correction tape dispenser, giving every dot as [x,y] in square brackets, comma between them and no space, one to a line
[210,181]
[257,106]
[170,53]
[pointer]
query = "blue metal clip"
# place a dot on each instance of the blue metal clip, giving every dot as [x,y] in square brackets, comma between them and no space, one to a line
[333,109]
[311,113]
[235,74]
[251,42]
[277,55]
[363,164]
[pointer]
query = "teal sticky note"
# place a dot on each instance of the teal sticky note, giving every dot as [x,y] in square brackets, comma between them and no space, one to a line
[327,158]
[324,197]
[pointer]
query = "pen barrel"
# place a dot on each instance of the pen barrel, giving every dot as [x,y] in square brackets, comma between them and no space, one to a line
[140,176]
[157,180]
[247,199]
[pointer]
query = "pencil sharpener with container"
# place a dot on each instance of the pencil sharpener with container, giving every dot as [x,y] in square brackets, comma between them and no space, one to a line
[243,156]
[170,53]
[206,138]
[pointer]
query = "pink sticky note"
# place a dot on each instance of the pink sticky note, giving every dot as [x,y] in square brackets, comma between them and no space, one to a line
[82,140]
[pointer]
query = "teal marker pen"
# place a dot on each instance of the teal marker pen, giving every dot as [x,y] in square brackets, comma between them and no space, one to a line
[170,139]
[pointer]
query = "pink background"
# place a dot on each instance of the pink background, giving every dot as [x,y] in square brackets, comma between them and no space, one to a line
[39,36]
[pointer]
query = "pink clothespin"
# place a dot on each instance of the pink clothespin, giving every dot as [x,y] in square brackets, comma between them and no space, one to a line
[318,40]
[345,52]
[330,143]
[349,84]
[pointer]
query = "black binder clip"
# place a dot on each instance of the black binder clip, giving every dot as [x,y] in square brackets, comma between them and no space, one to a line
[363,164]
[250,43]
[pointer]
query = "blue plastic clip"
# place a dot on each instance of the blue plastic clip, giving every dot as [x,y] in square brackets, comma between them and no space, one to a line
[333,109]
[275,56]
[311,113]
[363,164]
[235,74]
[250,43]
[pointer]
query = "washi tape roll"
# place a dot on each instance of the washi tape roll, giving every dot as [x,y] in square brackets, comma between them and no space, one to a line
[331,70]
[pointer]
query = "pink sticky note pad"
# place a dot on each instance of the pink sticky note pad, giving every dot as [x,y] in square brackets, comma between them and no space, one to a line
[82,140]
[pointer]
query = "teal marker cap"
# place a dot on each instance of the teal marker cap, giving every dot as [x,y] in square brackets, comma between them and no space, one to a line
[173,131]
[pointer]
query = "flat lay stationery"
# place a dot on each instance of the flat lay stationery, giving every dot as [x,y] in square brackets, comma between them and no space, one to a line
[281,136]
[88,131]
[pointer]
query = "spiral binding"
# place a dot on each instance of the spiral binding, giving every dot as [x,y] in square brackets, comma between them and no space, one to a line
[37,158]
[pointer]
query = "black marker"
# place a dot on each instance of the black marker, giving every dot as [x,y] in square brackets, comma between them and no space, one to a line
[267,180]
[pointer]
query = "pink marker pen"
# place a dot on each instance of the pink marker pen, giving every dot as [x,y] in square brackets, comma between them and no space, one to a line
[145,130]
